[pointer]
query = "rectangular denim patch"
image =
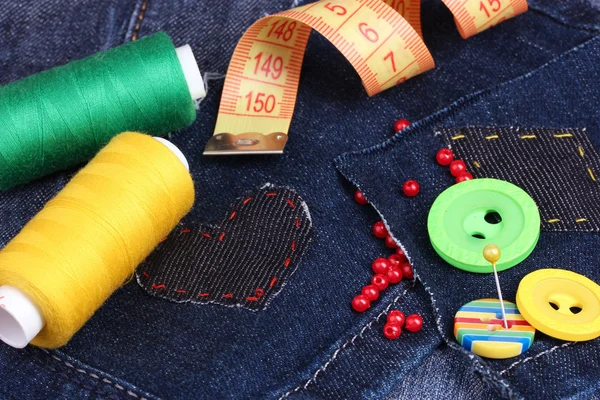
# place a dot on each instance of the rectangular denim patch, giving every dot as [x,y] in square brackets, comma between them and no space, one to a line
[559,168]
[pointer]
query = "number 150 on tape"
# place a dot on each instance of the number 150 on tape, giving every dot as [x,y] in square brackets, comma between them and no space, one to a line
[381,39]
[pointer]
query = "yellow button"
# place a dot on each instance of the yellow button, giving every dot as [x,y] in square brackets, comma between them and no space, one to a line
[560,303]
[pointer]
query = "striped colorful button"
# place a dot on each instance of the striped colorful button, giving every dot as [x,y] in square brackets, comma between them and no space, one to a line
[479,327]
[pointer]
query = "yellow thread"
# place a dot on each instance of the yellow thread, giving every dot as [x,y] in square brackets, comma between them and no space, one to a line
[458,137]
[492,137]
[563,135]
[88,240]
[528,137]
[592,174]
[551,221]
[581,220]
[477,164]
[581,153]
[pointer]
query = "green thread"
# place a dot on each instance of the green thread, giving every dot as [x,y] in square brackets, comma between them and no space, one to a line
[62,117]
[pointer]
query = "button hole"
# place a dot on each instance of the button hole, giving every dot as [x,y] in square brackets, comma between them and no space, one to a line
[575,309]
[492,217]
[553,305]
[478,235]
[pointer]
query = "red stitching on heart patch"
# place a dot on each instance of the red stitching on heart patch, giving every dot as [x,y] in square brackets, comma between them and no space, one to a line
[240,223]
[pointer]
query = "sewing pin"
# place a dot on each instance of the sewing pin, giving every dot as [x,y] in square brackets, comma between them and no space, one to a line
[491,252]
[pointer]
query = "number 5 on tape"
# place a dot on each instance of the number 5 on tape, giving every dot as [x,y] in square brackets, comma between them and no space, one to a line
[380,39]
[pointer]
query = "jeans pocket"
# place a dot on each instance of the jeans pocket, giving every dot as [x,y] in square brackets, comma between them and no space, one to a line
[560,94]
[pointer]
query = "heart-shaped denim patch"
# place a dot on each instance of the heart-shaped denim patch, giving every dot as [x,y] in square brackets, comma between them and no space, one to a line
[245,260]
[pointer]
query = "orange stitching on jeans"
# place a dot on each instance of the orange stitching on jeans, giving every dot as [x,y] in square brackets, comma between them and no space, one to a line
[136,30]
[591,174]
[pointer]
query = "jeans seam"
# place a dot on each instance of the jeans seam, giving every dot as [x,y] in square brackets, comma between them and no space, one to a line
[585,28]
[96,376]
[525,360]
[140,18]
[135,21]
[336,353]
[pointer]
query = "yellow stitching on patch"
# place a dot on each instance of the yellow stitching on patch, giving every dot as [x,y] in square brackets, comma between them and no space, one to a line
[528,137]
[477,164]
[492,137]
[580,150]
[581,220]
[592,174]
[563,135]
[551,221]
[458,137]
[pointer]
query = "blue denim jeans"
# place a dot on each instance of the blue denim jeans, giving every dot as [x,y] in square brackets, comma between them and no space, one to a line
[539,69]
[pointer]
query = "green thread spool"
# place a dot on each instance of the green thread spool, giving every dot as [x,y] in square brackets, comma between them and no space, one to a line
[62,117]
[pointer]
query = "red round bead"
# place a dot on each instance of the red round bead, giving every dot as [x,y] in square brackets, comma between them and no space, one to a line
[380,281]
[361,303]
[458,167]
[389,242]
[400,252]
[414,322]
[379,230]
[411,188]
[466,176]
[392,331]
[396,317]
[360,198]
[380,265]
[407,271]
[371,292]
[444,156]
[396,260]
[401,124]
[394,275]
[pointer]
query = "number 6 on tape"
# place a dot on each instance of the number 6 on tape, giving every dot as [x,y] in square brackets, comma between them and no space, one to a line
[380,39]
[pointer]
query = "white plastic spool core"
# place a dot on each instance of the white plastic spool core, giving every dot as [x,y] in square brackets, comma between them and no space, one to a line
[175,151]
[20,318]
[191,72]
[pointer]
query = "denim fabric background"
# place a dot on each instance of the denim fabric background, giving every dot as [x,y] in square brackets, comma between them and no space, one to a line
[540,69]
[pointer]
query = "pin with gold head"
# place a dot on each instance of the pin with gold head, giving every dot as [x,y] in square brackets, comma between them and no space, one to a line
[491,252]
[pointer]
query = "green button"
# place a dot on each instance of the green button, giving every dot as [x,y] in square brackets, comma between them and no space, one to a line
[472,214]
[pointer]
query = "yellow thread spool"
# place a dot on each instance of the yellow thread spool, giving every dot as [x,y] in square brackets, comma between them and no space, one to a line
[90,238]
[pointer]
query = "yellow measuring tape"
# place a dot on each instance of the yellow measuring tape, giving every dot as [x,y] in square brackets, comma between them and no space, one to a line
[381,39]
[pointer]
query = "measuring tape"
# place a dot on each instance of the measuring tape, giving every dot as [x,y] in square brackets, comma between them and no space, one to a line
[474,16]
[381,39]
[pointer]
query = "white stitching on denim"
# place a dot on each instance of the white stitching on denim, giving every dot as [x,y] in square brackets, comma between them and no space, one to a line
[536,356]
[68,364]
[523,40]
[349,342]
